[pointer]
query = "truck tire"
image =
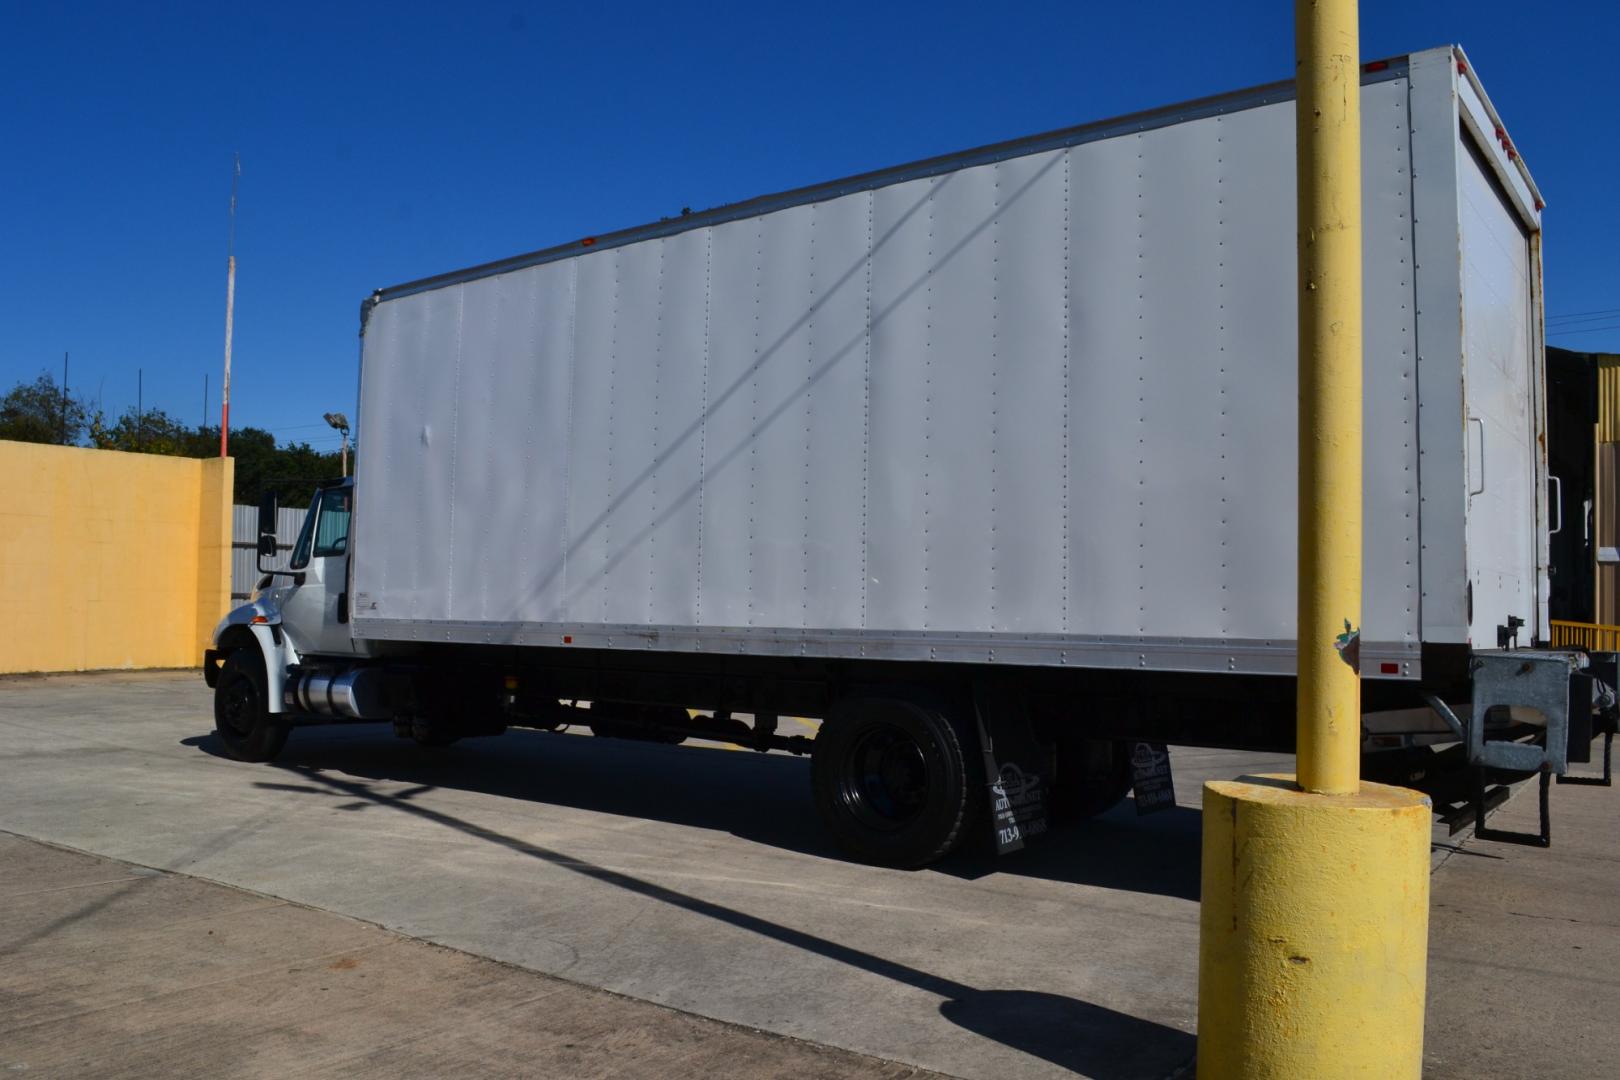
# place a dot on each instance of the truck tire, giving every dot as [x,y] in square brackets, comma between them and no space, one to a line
[433,736]
[242,718]
[1093,776]
[894,781]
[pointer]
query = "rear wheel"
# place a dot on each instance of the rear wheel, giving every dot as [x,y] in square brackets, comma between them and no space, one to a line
[242,718]
[893,781]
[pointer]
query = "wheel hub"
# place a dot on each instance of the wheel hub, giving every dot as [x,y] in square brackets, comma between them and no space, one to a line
[237,708]
[885,781]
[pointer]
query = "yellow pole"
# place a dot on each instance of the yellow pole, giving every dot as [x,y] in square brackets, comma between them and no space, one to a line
[1328,164]
[1313,923]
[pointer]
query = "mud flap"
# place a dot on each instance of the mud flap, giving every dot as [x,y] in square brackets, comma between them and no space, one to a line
[1150,777]
[1018,770]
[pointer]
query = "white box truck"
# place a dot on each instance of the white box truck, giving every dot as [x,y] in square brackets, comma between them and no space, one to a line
[988,460]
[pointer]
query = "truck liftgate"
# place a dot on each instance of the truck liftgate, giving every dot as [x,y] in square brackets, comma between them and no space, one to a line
[1533,713]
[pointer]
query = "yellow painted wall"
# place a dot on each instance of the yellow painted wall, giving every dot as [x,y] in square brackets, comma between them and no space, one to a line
[110,560]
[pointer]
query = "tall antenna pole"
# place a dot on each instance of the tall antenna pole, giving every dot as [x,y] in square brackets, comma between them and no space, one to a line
[140,409]
[64,397]
[230,307]
[204,421]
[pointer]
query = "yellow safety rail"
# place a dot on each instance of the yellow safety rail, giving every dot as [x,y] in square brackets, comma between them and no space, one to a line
[1593,637]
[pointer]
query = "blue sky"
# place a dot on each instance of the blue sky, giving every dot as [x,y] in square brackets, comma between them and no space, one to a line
[385,143]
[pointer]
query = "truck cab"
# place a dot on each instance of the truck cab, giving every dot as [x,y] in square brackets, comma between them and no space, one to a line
[263,651]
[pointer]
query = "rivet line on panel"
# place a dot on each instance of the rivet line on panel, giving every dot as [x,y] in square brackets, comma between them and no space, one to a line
[703,419]
[612,396]
[995,297]
[809,420]
[1141,398]
[928,401]
[529,469]
[753,407]
[455,446]
[1408,333]
[568,473]
[866,412]
[1068,165]
[661,247]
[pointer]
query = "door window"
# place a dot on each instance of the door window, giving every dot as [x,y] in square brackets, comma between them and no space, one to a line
[326,528]
[332,527]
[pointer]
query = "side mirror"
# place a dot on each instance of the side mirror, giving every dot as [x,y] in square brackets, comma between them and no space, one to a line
[268,505]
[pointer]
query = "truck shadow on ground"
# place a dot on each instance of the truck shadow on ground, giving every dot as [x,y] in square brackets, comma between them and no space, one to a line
[1090,1039]
[761,798]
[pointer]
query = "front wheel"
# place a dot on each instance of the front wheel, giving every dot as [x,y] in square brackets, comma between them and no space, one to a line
[893,780]
[242,717]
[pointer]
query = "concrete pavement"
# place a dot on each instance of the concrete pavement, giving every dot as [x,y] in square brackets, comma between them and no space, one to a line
[1524,945]
[694,878]
[113,970]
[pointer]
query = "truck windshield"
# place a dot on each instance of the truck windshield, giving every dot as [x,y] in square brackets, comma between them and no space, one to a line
[326,527]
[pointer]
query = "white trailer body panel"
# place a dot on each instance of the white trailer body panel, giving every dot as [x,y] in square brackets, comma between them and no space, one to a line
[1034,404]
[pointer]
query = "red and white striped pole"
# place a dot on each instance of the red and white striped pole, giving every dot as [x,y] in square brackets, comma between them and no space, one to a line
[230,309]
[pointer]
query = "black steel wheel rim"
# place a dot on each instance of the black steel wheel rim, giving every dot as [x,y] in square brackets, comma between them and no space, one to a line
[239,706]
[883,781]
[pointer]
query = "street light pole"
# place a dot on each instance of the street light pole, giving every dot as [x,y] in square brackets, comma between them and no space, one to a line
[341,422]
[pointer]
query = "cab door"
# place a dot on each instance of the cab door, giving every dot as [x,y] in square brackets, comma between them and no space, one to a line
[314,614]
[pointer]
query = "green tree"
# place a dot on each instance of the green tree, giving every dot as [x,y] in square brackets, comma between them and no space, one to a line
[291,471]
[42,412]
[151,432]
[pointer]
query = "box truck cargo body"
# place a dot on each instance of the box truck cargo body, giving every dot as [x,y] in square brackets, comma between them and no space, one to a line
[1027,411]
[1033,406]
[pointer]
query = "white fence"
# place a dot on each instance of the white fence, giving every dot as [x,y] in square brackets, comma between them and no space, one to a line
[244,541]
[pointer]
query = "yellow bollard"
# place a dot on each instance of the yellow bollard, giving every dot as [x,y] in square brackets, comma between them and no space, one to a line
[1313,931]
[1313,939]
[1328,130]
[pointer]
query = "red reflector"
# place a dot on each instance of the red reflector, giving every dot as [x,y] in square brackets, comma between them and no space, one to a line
[588,241]
[1512,153]
[1387,668]
[1377,65]
[568,639]
[1500,134]
[1540,206]
[1462,68]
